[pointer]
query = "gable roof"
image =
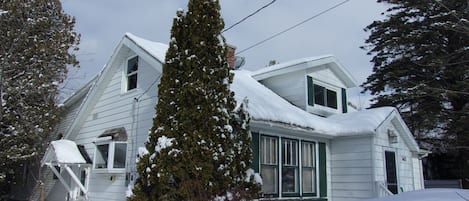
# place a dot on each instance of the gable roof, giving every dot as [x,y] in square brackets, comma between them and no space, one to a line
[375,118]
[151,52]
[307,63]
[264,105]
[65,152]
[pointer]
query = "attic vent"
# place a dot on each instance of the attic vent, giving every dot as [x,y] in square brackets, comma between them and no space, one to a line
[117,134]
[392,136]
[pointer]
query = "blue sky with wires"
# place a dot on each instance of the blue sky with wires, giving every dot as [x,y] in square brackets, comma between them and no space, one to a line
[339,31]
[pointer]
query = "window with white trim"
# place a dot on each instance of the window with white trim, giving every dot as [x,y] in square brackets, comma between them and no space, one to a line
[325,96]
[110,155]
[269,164]
[131,73]
[290,179]
[308,167]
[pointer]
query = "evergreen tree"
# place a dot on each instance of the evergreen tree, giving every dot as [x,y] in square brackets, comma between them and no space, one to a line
[36,39]
[199,144]
[421,66]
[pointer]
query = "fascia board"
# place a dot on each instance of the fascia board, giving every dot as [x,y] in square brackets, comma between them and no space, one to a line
[92,96]
[275,127]
[143,53]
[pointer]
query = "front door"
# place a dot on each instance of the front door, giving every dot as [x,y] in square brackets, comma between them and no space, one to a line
[391,171]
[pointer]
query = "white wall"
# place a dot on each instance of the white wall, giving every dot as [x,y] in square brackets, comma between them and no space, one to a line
[117,109]
[406,166]
[351,171]
[291,86]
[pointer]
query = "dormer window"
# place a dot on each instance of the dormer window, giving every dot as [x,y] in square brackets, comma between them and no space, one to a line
[324,96]
[131,73]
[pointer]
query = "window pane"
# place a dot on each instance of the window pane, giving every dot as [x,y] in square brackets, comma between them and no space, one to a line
[102,152]
[268,150]
[132,82]
[319,95]
[308,154]
[120,150]
[289,178]
[269,179]
[132,65]
[290,166]
[308,180]
[331,99]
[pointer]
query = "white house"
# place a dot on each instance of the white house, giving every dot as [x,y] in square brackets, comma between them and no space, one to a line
[306,144]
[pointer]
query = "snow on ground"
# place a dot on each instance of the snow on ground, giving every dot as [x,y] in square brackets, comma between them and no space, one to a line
[435,194]
[66,151]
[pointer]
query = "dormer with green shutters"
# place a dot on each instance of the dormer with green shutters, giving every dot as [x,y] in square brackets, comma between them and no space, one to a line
[316,84]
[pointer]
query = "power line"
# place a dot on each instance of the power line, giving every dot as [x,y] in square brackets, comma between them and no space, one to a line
[250,15]
[292,27]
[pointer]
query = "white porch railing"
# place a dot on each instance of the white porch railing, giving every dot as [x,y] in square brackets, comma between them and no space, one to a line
[382,190]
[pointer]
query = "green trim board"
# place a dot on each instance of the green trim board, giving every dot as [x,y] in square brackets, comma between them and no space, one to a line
[344,100]
[310,91]
[322,170]
[255,143]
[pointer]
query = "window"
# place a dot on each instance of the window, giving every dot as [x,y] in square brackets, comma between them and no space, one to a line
[308,168]
[110,155]
[324,94]
[132,68]
[269,164]
[325,97]
[290,166]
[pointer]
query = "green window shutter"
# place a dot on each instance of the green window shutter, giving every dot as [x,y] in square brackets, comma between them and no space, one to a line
[310,90]
[322,170]
[255,151]
[344,100]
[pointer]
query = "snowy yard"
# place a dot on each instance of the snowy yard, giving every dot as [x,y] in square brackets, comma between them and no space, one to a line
[435,194]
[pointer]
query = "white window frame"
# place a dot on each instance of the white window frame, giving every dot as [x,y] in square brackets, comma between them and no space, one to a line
[110,157]
[272,162]
[125,75]
[279,165]
[327,87]
[336,89]
[314,160]
[292,163]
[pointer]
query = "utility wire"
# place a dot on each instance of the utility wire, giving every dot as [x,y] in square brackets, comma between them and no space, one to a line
[250,15]
[292,27]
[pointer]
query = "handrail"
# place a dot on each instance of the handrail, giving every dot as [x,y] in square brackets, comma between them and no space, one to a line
[383,190]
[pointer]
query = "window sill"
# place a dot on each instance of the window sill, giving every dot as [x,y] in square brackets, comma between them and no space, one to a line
[109,171]
[127,92]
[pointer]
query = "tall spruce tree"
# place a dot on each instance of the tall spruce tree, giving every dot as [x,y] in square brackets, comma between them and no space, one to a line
[421,66]
[199,144]
[36,40]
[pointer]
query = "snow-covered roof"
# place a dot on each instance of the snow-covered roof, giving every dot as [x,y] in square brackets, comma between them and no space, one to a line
[307,63]
[67,152]
[157,50]
[266,105]
[364,121]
